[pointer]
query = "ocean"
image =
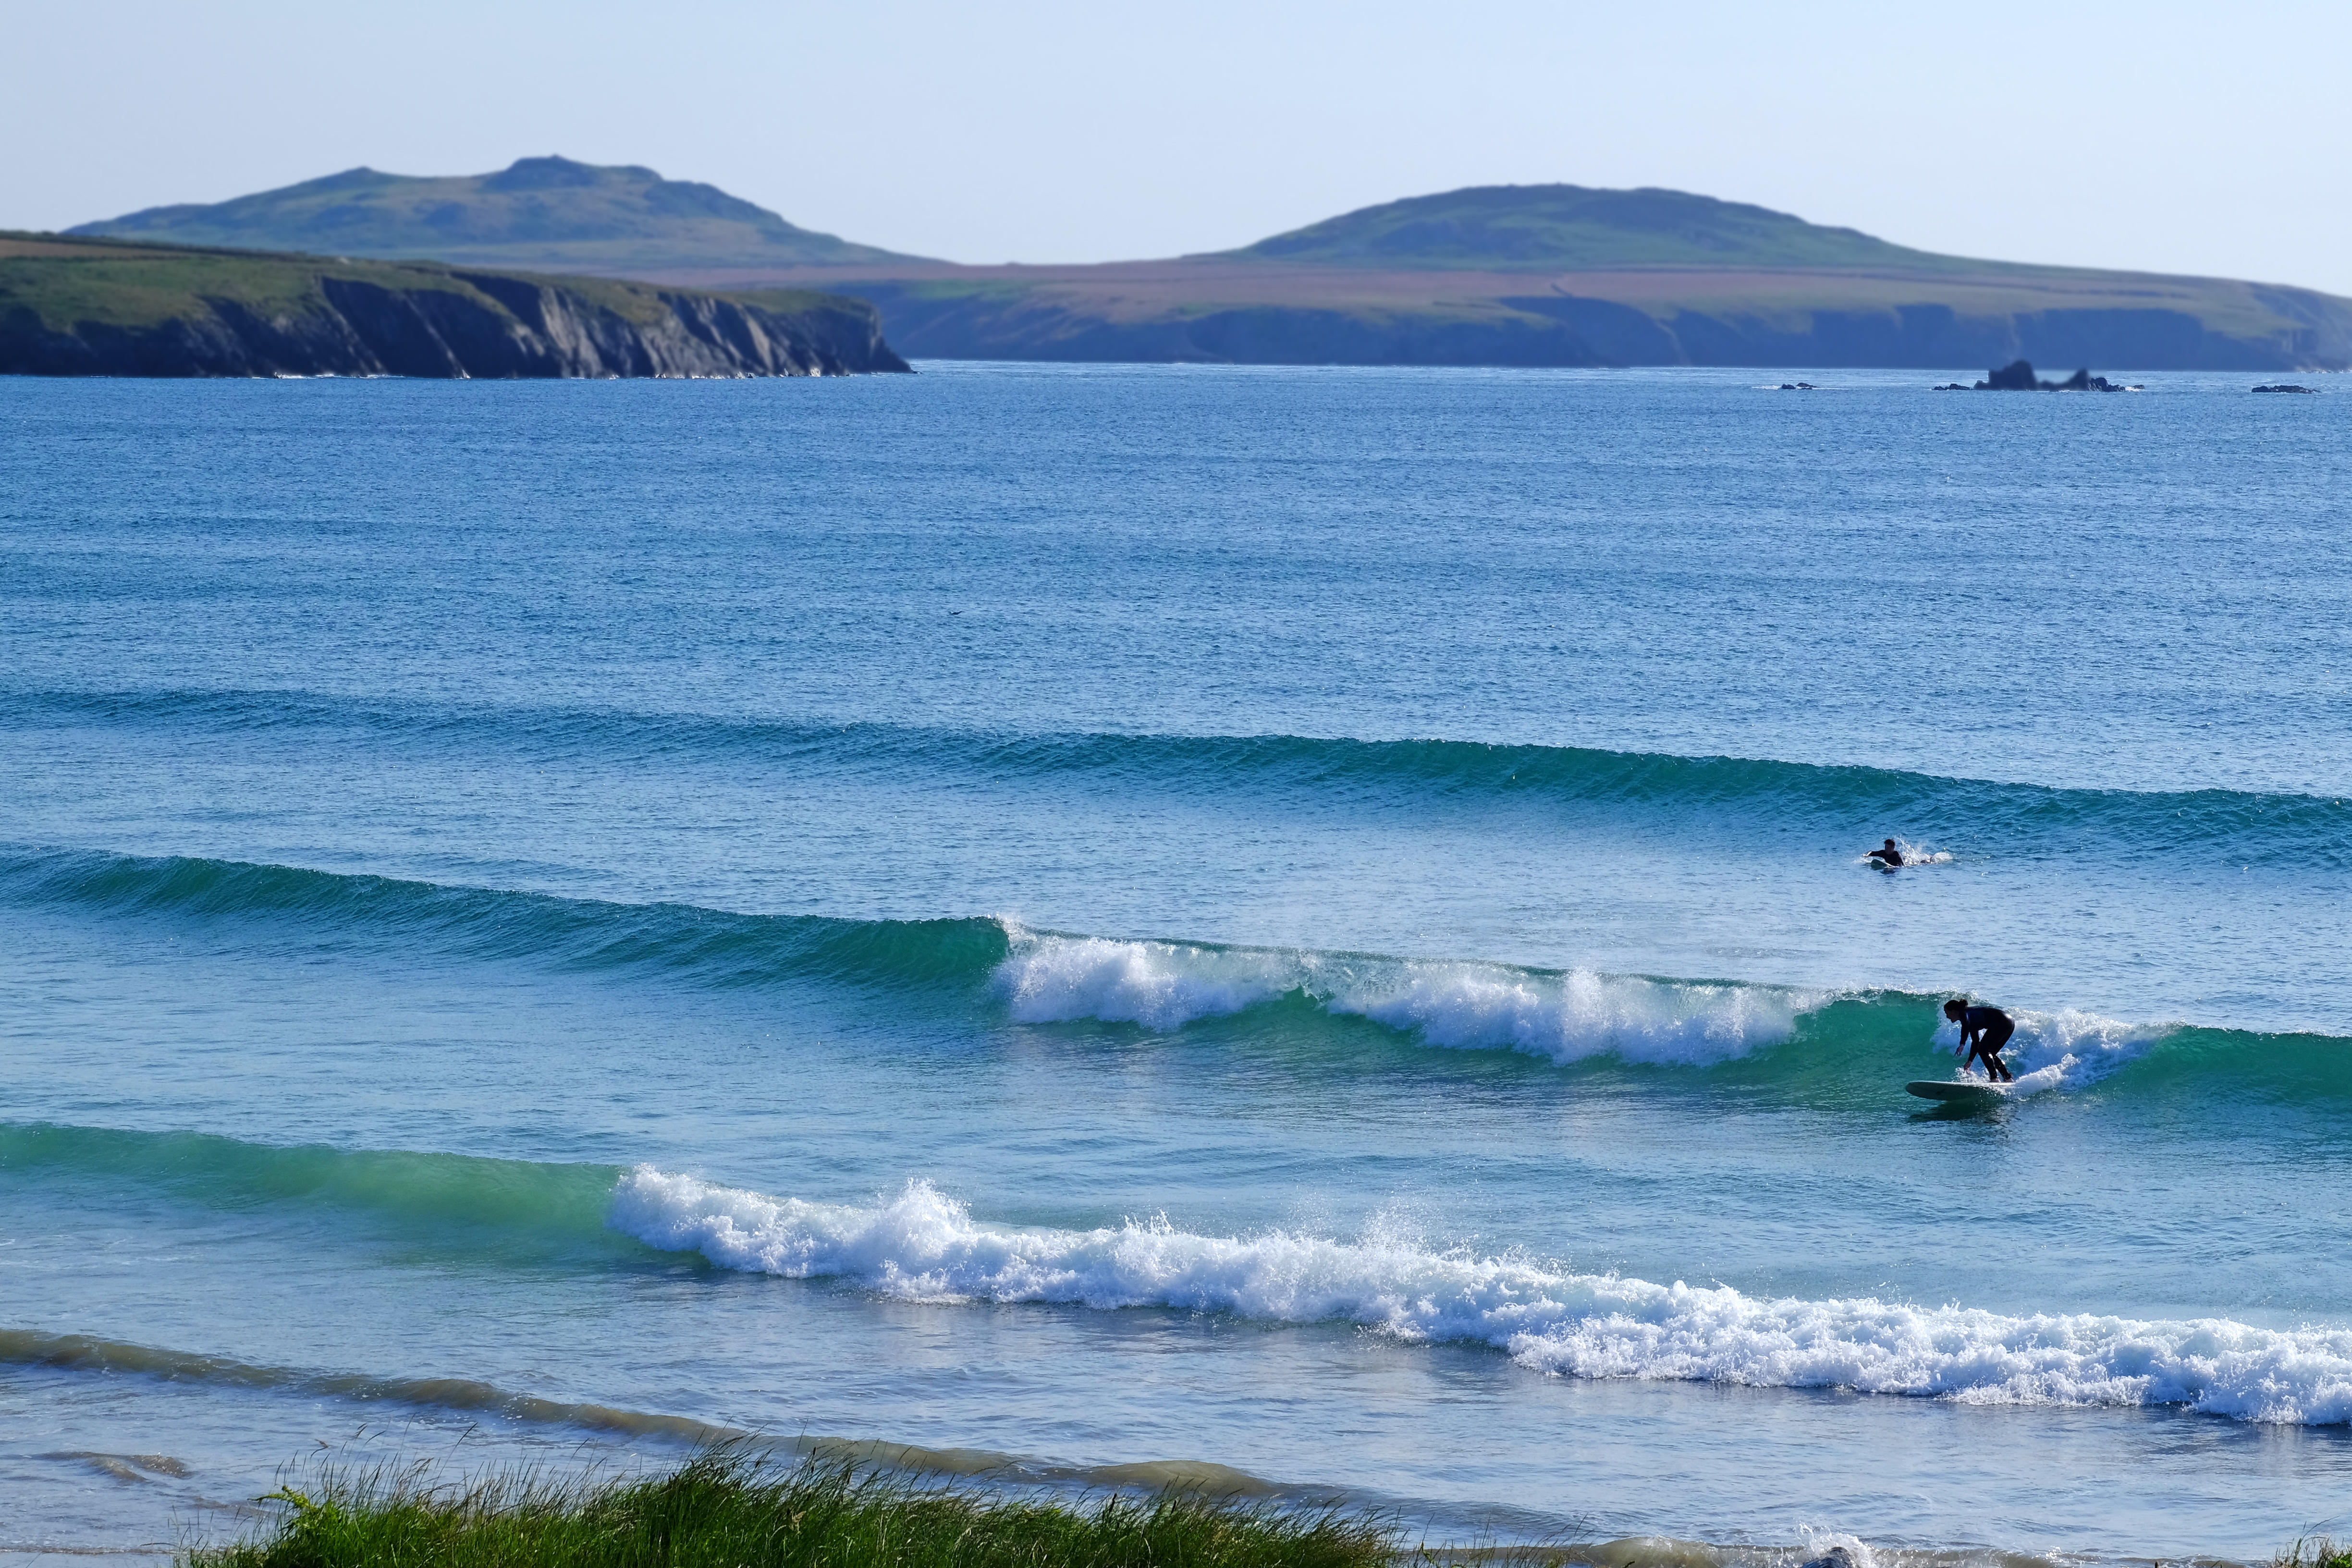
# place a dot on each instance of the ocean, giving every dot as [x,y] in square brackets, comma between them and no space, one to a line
[1088,926]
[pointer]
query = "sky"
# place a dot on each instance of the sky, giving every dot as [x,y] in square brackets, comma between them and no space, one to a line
[2201,139]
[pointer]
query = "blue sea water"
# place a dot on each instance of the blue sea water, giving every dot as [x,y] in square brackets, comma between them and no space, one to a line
[1303,921]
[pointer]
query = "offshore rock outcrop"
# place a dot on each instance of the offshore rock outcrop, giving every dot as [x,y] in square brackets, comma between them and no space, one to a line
[2018,377]
[84,309]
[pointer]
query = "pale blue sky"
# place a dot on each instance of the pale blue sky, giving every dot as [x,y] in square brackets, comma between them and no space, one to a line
[2177,138]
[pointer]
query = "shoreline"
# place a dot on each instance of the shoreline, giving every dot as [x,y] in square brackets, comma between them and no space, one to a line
[743,1501]
[330,1509]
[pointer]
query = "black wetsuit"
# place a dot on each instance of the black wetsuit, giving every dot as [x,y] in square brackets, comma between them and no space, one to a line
[1992,1028]
[1890,858]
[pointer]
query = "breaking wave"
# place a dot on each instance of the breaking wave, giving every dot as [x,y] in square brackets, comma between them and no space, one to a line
[924,1245]
[921,1245]
[993,970]
[1564,1014]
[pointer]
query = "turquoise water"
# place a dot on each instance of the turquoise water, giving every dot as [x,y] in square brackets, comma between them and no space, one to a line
[1304,921]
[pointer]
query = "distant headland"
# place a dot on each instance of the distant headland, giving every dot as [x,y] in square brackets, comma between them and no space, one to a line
[1500,275]
[539,214]
[106,307]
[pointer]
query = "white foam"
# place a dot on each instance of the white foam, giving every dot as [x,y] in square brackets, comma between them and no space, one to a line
[1564,1015]
[924,1245]
[1913,855]
[2067,1049]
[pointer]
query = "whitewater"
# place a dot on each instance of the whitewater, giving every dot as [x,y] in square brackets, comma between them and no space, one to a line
[925,1247]
[1300,931]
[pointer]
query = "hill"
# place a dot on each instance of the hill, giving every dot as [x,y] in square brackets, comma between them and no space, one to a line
[1558,228]
[102,307]
[539,213]
[1562,274]
[1514,274]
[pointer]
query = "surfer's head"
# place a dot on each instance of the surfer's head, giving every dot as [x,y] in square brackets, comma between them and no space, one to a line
[1955,1006]
[1890,844]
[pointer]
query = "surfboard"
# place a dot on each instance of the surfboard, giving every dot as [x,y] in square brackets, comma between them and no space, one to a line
[1959,1093]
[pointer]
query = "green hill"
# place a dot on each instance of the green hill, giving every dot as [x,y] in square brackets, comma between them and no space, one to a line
[547,214]
[1550,227]
[1563,275]
[1528,275]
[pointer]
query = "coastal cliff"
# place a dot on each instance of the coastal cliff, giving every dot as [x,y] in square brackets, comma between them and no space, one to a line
[94,306]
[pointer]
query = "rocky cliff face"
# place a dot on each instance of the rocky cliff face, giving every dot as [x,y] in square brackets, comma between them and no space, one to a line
[257,316]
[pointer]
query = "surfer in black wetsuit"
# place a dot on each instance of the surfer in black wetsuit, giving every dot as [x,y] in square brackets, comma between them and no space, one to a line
[1886,859]
[1983,1032]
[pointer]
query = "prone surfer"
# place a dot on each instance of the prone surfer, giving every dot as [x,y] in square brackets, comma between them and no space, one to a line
[1983,1032]
[1886,859]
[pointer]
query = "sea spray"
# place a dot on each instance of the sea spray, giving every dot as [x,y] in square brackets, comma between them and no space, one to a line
[1562,1015]
[924,1245]
[2069,1049]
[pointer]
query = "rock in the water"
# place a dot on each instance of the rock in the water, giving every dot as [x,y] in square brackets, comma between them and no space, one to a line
[2284,388]
[2018,377]
[2015,376]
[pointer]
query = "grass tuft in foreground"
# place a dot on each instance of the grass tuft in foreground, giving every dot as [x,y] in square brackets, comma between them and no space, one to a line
[2315,1551]
[730,1509]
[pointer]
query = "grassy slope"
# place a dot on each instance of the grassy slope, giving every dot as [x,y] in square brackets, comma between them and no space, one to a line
[1140,292]
[1570,227]
[726,1510]
[541,213]
[730,1509]
[142,285]
[127,284]
[1012,306]
[1500,257]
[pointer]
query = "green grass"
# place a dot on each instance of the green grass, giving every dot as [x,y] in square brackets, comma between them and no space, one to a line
[1549,226]
[2315,1551]
[117,284]
[542,215]
[732,1508]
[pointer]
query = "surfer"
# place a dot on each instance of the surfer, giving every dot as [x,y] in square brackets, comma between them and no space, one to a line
[1983,1032]
[1886,859]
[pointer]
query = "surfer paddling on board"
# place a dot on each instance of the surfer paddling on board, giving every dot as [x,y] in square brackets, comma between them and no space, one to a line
[1983,1032]
[1886,859]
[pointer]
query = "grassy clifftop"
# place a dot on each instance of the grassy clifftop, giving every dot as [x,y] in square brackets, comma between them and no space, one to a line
[103,307]
[543,214]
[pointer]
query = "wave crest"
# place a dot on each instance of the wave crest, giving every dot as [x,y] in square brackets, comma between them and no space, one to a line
[2217,826]
[2070,1049]
[924,1245]
[1562,1015]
